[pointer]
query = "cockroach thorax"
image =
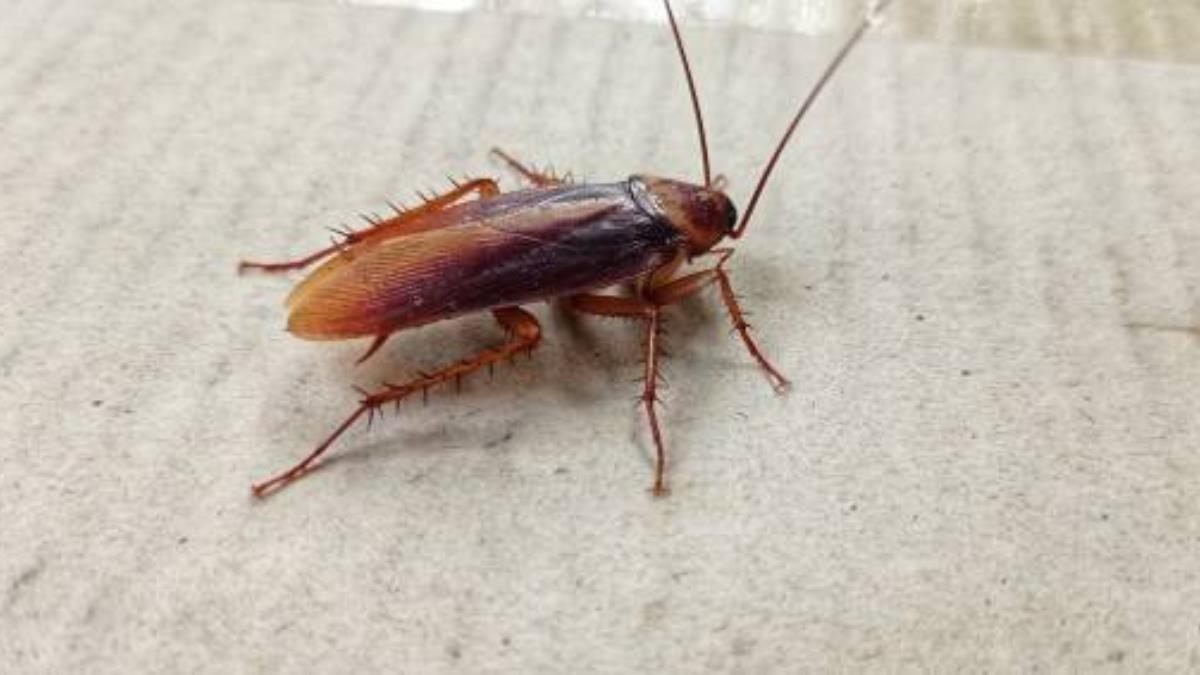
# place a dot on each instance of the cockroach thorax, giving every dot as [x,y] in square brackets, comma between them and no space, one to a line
[703,215]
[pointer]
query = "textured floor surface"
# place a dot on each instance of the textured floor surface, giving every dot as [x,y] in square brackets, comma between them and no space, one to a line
[978,264]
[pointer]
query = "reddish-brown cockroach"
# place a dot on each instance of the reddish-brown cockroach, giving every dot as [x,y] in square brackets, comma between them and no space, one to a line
[454,255]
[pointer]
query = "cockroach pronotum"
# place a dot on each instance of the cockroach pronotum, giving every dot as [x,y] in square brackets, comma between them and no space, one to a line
[476,249]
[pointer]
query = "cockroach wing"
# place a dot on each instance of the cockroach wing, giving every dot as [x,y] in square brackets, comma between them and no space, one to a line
[507,250]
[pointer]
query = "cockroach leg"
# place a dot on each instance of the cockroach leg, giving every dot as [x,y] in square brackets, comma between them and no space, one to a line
[635,308]
[739,323]
[676,290]
[375,345]
[482,187]
[286,266]
[610,306]
[537,178]
[650,398]
[308,464]
[524,334]
[411,222]
[404,222]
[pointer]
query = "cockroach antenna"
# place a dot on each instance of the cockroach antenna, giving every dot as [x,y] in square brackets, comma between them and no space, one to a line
[691,82]
[869,20]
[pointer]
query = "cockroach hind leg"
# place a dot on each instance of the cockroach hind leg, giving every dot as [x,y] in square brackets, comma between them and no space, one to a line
[405,221]
[525,334]
[309,463]
[409,221]
[537,178]
[288,265]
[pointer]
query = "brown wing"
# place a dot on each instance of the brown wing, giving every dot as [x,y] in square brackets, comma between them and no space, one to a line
[348,296]
[533,245]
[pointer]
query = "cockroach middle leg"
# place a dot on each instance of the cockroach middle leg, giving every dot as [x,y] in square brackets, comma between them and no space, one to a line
[635,308]
[650,401]
[524,333]
[409,221]
[536,178]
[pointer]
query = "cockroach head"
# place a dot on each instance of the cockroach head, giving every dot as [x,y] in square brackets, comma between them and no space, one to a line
[704,216]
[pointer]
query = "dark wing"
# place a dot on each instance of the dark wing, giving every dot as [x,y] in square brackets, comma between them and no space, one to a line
[509,250]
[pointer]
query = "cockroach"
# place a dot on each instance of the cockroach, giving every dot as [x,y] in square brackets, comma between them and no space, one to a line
[475,249]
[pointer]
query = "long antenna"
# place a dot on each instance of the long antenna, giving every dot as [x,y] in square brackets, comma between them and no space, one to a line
[832,68]
[687,71]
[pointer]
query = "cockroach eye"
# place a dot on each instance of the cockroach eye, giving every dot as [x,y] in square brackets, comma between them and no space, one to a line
[731,218]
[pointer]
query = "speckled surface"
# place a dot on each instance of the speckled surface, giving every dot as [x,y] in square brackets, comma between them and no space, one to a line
[977,264]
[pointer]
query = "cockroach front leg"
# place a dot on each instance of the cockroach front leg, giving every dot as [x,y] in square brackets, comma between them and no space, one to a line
[634,308]
[403,222]
[673,291]
[535,178]
[524,333]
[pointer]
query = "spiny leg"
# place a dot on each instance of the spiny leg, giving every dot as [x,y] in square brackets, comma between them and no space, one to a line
[634,308]
[739,322]
[404,222]
[524,333]
[537,178]
[650,398]
[298,263]
[610,306]
[675,290]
